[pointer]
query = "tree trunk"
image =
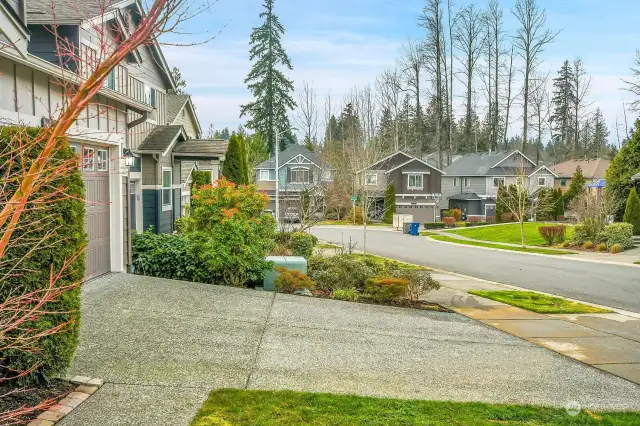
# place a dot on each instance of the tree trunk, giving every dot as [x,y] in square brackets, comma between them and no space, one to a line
[525,117]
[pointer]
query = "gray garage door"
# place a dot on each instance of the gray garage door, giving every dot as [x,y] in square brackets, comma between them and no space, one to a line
[420,213]
[95,174]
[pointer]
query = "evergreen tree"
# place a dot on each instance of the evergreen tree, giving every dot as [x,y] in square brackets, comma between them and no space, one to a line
[181,85]
[389,203]
[243,159]
[559,204]
[632,211]
[331,132]
[233,167]
[501,208]
[624,165]
[577,186]
[308,143]
[223,134]
[600,142]
[270,88]
[561,117]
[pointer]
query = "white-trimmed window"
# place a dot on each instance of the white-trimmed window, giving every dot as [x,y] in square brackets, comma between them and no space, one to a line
[542,181]
[498,182]
[371,179]
[102,160]
[264,175]
[167,184]
[466,182]
[299,175]
[455,181]
[414,181]
[74,149]
[87,159]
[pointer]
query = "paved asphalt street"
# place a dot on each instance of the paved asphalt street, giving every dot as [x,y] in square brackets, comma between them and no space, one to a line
[610,285]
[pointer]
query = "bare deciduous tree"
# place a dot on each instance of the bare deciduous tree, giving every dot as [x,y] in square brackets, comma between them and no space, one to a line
[494,21]
[633,85]
[509,98]
[540,109]
[530,40]
[307,116]
[411,64]
[389,85]
[581,86]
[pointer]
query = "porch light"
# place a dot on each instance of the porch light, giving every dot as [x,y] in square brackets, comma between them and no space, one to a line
[129,159]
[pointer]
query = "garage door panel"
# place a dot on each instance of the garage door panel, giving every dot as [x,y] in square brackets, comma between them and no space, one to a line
[98,260]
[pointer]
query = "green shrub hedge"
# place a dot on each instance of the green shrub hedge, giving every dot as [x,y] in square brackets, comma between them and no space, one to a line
[67,218]
[200,177]
[434,225]
[386,289]
[617,233]
[302,244]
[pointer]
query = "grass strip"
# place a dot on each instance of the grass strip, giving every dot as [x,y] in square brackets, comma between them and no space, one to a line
[270,408]
[536,302]
[499,246]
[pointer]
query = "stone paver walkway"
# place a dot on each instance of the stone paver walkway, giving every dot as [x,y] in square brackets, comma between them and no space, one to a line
[610,342]
[162,345]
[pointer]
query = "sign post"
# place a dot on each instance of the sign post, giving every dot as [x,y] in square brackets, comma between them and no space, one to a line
[353,200]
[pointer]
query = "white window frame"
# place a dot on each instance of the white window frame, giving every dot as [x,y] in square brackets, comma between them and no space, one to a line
[466,182]
[167,206]
[88,160]
[455,181]
[372,182]
[415,185]
[504,180]
[74,149]
[297,170]
[544,180]
[102,165]
[260,175]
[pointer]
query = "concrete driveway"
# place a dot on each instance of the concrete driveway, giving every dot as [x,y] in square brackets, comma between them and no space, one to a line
[617,286]
[162,345]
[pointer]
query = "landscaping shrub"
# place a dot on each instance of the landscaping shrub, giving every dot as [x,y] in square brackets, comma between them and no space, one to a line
[200,178]
[632,211]
[565,244]
[617,233]
[359,217]
[448,213]
[449,222]
[386,289]
[289,281]
[342,271]
[581,234]
[434,225]
[546,207]
[66,218]
[508,218]
[476,221]
[281,250]
[457,213]
[552,233]
[588,245]
[164,256]
[348,294]
[616,248]
[491,220]
[302,244]
[601,247]
[389,203]
[419,282]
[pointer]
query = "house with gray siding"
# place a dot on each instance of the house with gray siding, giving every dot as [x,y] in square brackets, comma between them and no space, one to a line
[122,118]
[299,171]
[472,181]
[417,185]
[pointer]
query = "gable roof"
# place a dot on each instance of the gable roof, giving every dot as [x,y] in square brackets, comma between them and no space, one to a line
[161,138]
[483,164]
[544,167]
[202,147]
[591,169]
[387,158]
[176,103]
[289,154]
[414,160]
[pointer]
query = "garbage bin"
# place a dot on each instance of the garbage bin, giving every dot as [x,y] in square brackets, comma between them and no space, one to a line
[415,229]
[406,227]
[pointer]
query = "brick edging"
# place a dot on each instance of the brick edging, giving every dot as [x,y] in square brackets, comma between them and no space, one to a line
[87,386]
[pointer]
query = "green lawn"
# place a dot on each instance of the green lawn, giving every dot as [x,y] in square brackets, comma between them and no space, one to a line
[350,223]
[508,233]
[391,263]
[499,246]
[327,246]
[537,302]
[235,407]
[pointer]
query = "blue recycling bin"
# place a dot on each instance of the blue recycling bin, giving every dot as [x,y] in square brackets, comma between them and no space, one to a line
[415,229]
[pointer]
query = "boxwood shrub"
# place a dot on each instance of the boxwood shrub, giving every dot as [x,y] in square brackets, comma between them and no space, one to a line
[434,225]
[617,233]
[66,217]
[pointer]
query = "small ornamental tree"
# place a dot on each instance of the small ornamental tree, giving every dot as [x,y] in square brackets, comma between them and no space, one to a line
[229,232]
[577,186]
[233,168]
[632,211]
[501,209]
[389,203]
[559,204]
[200,177]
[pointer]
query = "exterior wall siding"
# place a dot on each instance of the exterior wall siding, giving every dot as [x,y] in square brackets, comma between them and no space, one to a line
[150,209]
[187,122]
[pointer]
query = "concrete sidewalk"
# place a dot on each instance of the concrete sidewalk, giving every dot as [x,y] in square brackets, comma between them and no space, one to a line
[609,342]
[161,346]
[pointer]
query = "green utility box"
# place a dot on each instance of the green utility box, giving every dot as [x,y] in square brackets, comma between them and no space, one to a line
[294,263]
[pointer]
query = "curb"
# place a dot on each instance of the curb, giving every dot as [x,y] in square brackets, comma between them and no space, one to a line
[86,387]
[608,262]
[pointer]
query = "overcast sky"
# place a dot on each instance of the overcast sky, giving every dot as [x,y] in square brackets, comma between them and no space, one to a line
[336,44]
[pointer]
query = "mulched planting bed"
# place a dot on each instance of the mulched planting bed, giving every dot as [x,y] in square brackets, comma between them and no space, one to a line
[33,395]
[418,304]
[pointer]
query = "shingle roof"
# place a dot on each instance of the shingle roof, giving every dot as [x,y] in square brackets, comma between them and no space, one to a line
[465,196]
[160,138]
[591,169]
[174,105]
[66,11]
[474,164]
[202,146]
[289,154]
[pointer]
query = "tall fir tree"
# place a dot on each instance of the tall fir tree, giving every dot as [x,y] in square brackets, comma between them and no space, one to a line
[233,167]
[272,91]
[632,211]
[577,186]
[561,117]
[600,144]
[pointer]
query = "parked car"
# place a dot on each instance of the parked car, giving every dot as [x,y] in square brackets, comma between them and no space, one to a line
[292,215]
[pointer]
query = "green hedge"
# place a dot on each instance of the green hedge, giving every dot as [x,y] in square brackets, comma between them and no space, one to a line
[200,177]
[617,233]
[302,244]
[434,225]
[67,218]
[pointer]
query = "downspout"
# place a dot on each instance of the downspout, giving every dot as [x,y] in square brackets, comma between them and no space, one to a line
[158,199]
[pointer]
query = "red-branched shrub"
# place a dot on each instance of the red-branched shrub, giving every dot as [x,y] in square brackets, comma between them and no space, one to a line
[508,217]
[386,289]
[552,233]
[449,221]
